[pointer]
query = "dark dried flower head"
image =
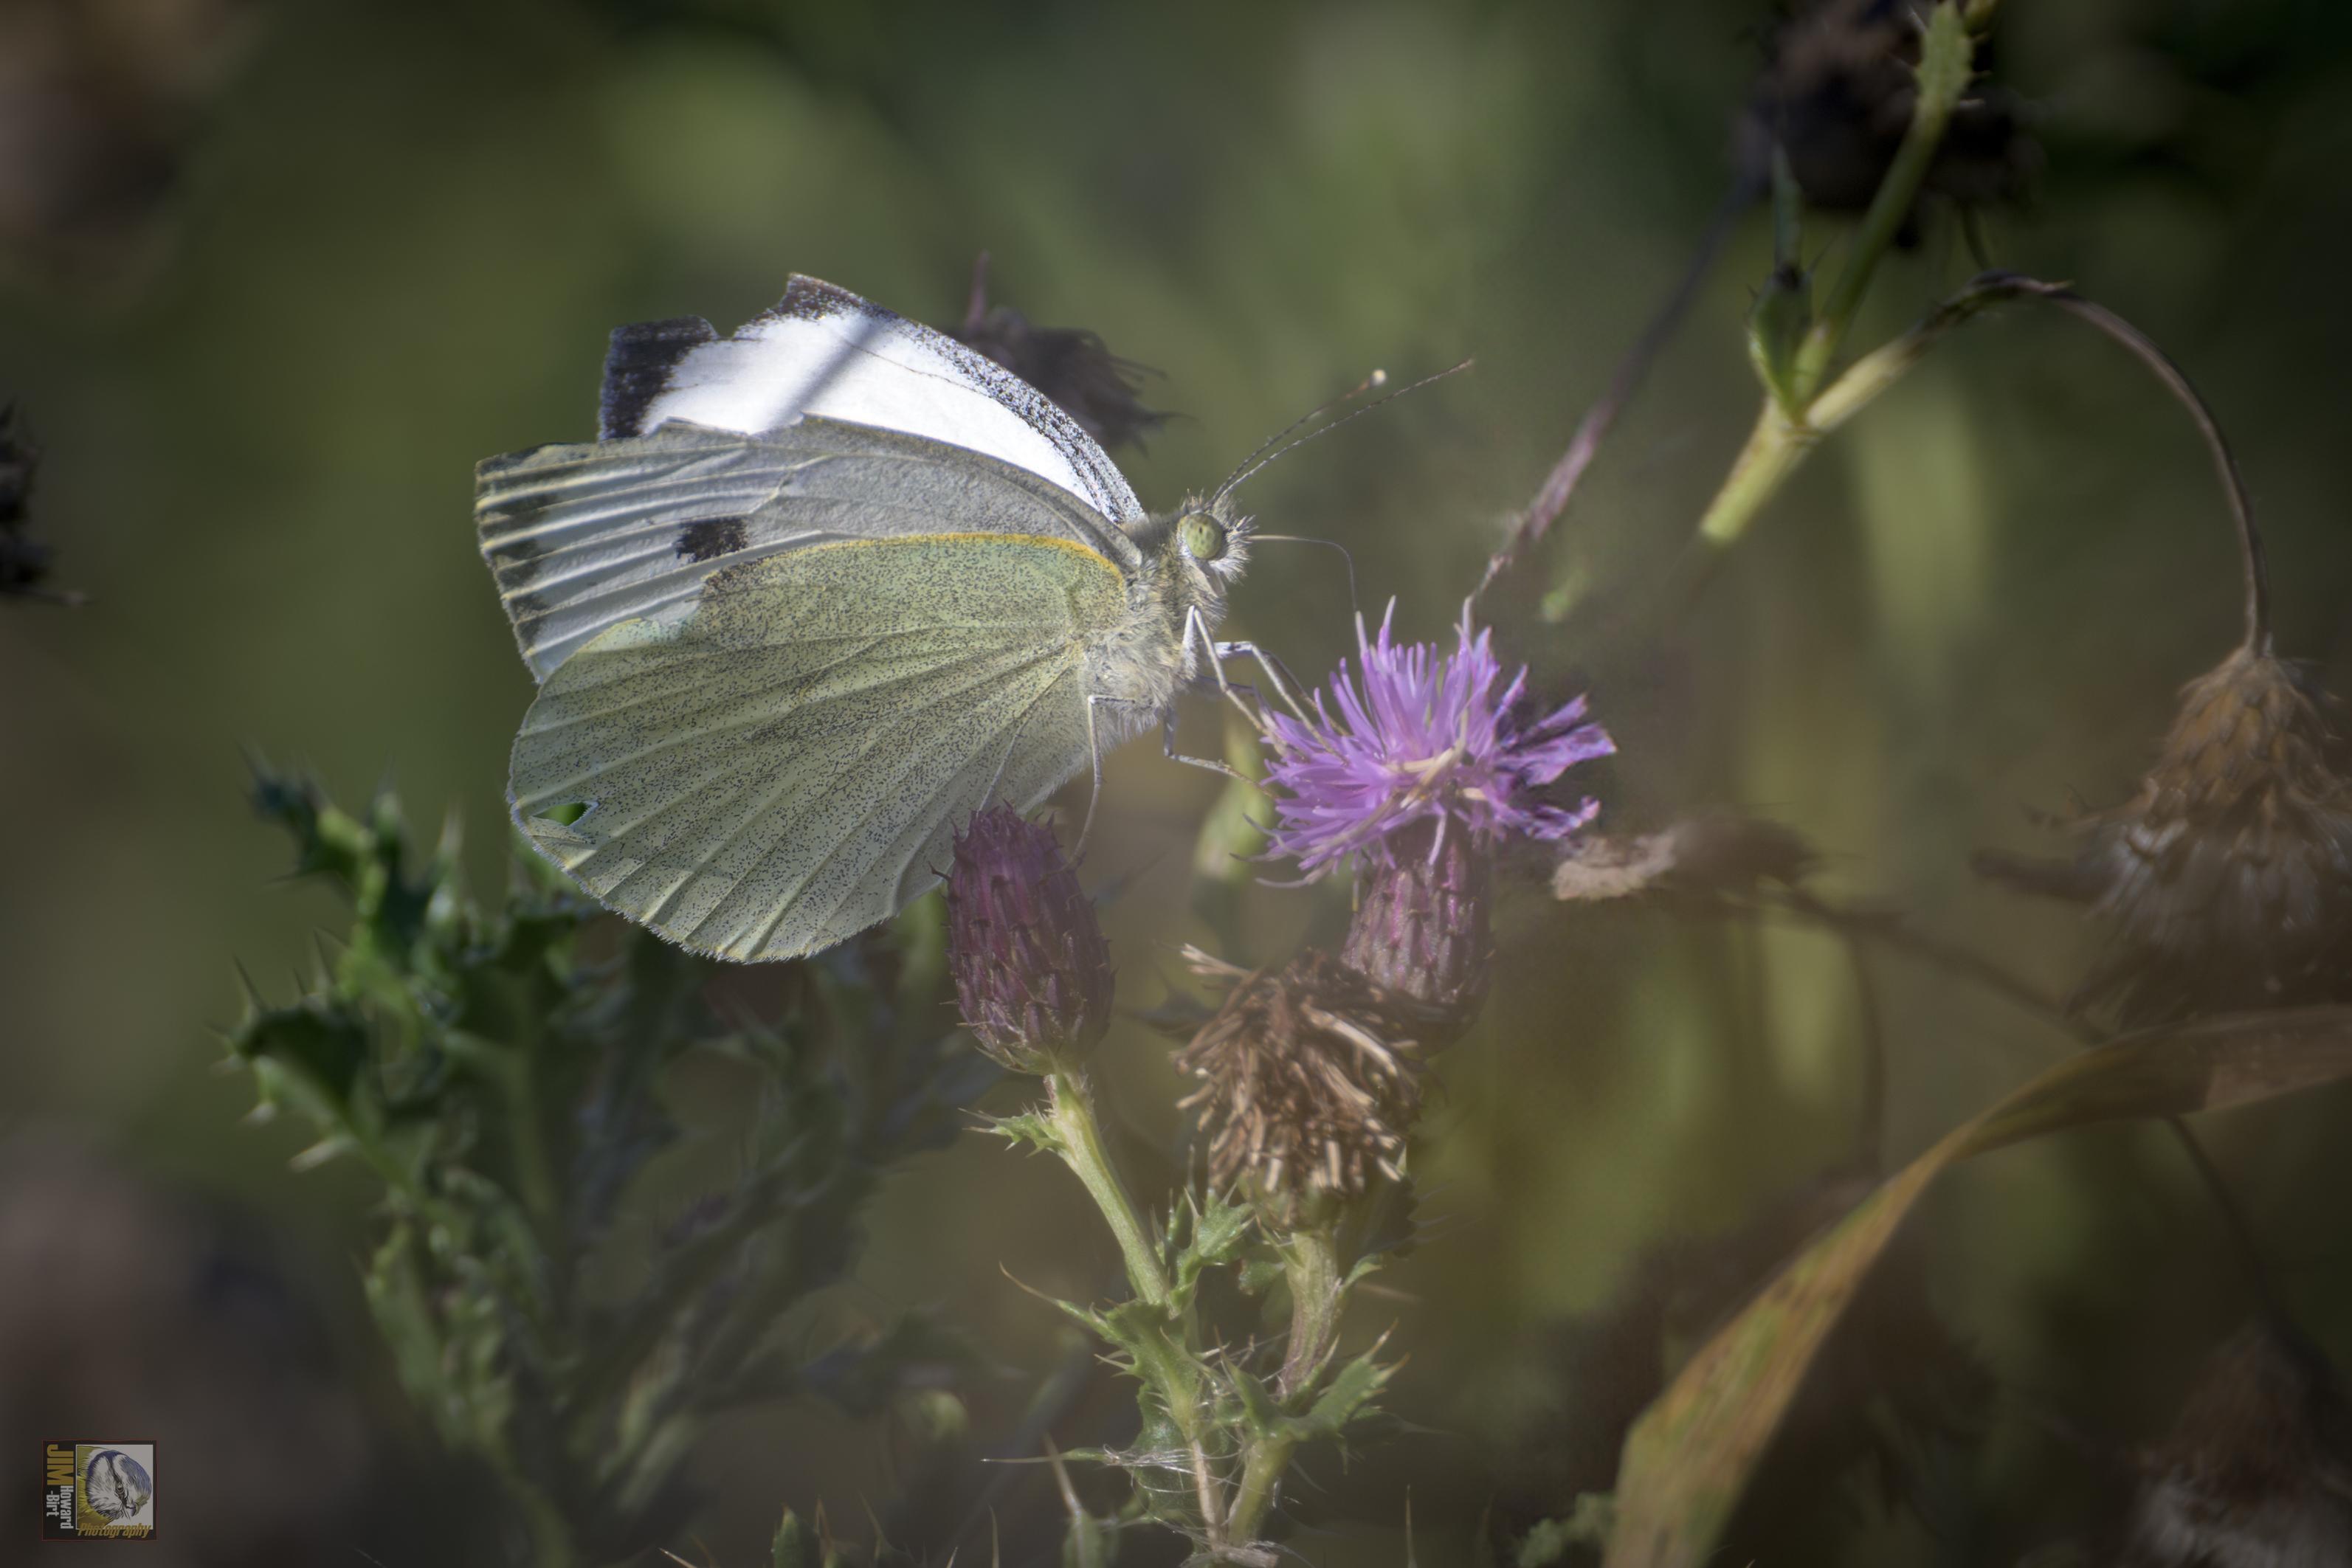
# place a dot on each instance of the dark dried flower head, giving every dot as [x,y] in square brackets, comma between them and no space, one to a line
[24,562]
[1837,93]
[2257,1470]
[101,108]
[1309,1080]
[1424,737]
[1032,970]
[1068,364]
[2227,879]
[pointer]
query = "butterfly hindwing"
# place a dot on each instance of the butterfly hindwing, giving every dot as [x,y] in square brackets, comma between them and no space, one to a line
[787,766]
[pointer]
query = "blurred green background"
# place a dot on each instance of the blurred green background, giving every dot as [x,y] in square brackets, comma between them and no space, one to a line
[359,246]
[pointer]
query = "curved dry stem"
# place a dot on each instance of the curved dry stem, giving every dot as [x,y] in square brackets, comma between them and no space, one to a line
[1779,445]
[1584,442]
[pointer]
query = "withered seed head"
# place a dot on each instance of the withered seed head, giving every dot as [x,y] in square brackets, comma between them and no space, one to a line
[1068,364]
[1837,94]
[1031,968]
[1309,1080]
[2227,879]
[2258,1468]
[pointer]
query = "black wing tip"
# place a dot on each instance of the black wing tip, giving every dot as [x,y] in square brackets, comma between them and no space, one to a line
[637,366]
[810,298]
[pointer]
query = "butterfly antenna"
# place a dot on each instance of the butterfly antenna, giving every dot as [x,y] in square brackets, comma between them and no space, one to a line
[1327,544]
[1377,378]
[1257,461]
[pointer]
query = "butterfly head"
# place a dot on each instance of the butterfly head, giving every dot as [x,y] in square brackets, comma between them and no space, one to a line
[1213,536]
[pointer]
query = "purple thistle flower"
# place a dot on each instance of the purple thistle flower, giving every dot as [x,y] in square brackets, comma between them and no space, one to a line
[1423,737]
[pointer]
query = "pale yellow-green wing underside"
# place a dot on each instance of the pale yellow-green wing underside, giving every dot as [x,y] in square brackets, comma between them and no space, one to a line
[788,766]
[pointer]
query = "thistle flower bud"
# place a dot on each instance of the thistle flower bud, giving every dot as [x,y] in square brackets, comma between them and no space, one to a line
[1032,970]
[1309,1082]
[1421,931]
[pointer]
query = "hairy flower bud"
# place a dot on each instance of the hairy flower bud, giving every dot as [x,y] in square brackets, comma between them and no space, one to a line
[1032,970]
[1421,932]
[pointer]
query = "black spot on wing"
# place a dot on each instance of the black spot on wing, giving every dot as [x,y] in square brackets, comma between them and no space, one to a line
[710,537]
[637,368]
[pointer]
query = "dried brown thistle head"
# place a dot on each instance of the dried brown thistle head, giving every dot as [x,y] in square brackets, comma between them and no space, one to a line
[2226,881]
[2257,1469]
[1068,364]
[1309,1080]
[1836,95]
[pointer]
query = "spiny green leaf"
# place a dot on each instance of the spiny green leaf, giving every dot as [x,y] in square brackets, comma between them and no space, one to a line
[320,1047]
[1550,1539]
[1213,1238]
[1261,1271]
[1028,1127]
[1343,1398]
[795,1547]
[1689,1458]
[1259,1412]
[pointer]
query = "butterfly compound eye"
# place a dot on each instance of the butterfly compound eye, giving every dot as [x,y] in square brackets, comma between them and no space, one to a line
[1203,537]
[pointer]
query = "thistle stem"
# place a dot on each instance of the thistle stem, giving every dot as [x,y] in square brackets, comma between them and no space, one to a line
[1310,1262]
[1584,442]
[1073,1117]
[1781,439]
[1944,59]
[1263,1465]
[1170,1367]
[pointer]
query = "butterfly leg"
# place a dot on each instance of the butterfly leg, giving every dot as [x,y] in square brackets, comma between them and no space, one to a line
[1214,655]
[1094,756]
[1167,747]
[1278,674]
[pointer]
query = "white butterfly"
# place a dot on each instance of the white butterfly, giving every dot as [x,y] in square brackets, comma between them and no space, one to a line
[822,590]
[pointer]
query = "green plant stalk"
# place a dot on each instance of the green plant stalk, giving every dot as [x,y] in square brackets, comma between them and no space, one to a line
[1072,1114]
[1774,448]
[1310,1263]
[1170,1367]
[1944,59]
[1263,1464]
[1780,440]
[1317,1284]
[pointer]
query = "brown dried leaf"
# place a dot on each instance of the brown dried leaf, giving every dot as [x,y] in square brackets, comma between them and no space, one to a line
[1688,1458]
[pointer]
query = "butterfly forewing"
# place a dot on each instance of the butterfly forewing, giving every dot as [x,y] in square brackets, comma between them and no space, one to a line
[582,538]
[786,765]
